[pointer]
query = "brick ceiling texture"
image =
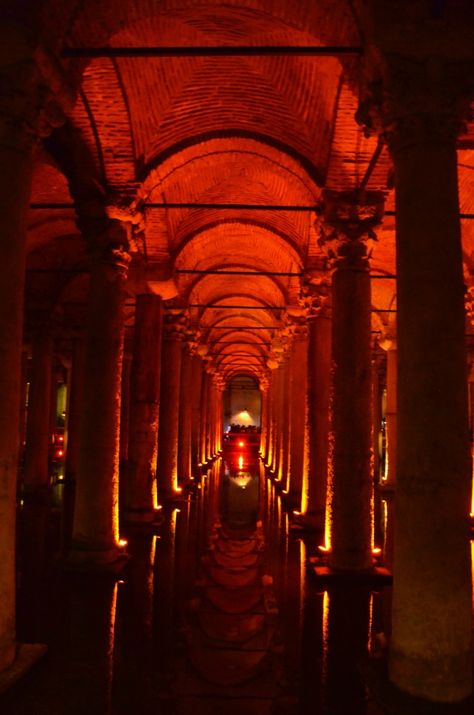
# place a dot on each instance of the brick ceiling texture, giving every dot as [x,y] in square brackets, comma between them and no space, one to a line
[271,130]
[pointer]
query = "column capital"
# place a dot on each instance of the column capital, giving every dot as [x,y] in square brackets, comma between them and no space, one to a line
[411,101]
[469,303]
[347,222]
[315,298]
[174,323]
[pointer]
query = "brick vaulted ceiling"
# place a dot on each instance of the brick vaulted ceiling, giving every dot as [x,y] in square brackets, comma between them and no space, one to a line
[247,130]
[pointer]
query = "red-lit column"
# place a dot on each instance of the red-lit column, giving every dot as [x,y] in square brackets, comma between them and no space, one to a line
[95,530]
[269,424]
[319,390]
[20,102]
[195,399]
[286,426]
[348,224]
[144,409]
[278,417]
[76,386]
[36,478]
[185,418]
[298,415]
[173,328]
[263,384]
[431,644]
[389,478]
[124,424]
[204,409]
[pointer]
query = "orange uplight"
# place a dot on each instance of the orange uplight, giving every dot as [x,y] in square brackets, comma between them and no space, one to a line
[296,513]
[376,551]
[241,444]
[60,438]
[178,490]
[241,462]
[122,543]
[60,452]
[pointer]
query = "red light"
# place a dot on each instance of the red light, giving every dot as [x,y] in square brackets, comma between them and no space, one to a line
[60,438]
[241,444]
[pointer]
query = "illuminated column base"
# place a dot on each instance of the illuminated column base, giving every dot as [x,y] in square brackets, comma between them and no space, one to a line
[167,472]
[95,539]
[144,408]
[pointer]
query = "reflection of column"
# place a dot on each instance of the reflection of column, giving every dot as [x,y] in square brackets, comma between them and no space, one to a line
[169,406]
[431,645]
[144,408]
[390,345]
[38,424]
[319,388]
[298,415]
[185,416]
[348,224]
[95,531]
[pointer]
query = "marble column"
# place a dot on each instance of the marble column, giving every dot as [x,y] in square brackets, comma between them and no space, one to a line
[36,477]
[431,644]
[319,389]
[185,418]
[95,538]
[347,225]
[144,409]
[298,416]
[23,118]
[204,406]
[172,345]
[195,399]
[286,425]
[390,345]
[263,385]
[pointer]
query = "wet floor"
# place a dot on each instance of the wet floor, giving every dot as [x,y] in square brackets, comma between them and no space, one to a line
[216,612]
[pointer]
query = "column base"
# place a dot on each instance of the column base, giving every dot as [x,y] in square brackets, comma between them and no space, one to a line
[393,701]
[307,522]
[26,656]
[143,518]
[84,559]
[375,576]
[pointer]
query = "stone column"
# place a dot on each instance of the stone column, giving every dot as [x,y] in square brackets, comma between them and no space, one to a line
[76,383]
[347,225]
[319,389]
[173,328]
[144,409]
[36,477]
[25,104]
[390,345]
[95,530]
[203,408]
[124,425]
[195,399]
[423,108]
[185,418]
[286,426]
[269,423]
[279,417]
[263,385]
[298,416]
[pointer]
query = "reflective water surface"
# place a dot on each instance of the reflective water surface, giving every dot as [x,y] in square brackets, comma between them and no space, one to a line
[217,612]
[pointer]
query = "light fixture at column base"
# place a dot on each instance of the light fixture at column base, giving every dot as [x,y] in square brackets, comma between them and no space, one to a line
[325,575]
[27,655]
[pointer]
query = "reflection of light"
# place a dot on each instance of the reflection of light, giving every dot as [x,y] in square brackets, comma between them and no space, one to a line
[296,513]
[241,480]
[325,634]
[371,617]
[241,462]
[241,444]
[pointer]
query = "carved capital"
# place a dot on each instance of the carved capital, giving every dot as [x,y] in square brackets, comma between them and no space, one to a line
[114,257]
[347,223]
[174,324]
[315,298]
[469,303]
[414,101]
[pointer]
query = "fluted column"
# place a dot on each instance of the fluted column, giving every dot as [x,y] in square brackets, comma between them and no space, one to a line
[172,345]
[95,530]
[36,478]
[144,409]
[420,107]
[319,389]
[298,415]
[185,418]
[25,104]
[347,225]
